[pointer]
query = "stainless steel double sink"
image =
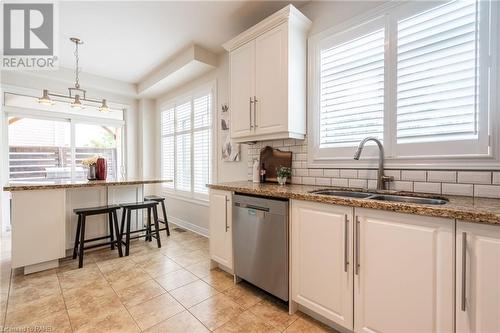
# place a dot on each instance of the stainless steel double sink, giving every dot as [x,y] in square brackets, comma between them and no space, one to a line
[382,197]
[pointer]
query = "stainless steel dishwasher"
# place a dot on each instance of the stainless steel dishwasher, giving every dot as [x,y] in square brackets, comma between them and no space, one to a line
[260,243]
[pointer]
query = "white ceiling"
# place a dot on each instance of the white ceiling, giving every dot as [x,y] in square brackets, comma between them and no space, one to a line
[127,40]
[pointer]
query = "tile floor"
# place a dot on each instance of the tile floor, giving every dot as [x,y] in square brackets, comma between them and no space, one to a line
[171,289]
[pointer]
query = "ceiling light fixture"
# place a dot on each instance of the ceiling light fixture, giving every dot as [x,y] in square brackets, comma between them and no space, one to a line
[76,94]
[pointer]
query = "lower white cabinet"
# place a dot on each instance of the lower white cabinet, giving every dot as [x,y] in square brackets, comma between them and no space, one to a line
[477,278]
[403,275]
[321,252]
[221,243]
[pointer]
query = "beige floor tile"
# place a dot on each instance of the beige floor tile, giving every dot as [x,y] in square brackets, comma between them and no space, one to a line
[22,313]
[102,255]
[274,313]
[175,251]
[140,292]
[247,322]
[200,269]
[245,295]
[216,311]
[160,266]
[191,258]
[306,324]
[34,289]
[116,322]
[176,279]
[111,265]
[90,294]
[143,258]
[155,310]
[55,322]
[33,280]
[183,322]
[80,277]
[193,293]
[219,279]
[124,274]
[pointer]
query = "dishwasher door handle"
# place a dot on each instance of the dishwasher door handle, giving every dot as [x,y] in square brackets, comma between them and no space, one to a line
[244,205]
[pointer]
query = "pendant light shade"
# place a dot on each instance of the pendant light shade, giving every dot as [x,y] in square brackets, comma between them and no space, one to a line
[45,99]
[77,104]
[104,106]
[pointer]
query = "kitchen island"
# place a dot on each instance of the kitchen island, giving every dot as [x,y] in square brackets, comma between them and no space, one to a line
[43,222]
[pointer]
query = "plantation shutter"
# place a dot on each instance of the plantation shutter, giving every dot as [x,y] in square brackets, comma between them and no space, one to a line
[183,146]
[437,74]
[352,91]
[167,146]
[202,143]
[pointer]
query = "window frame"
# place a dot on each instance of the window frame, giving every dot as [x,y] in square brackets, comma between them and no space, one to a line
[169,189]
[390,14]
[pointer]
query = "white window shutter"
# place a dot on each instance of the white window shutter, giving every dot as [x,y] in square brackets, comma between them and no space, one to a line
[352,91]
[437,74]
[202,143]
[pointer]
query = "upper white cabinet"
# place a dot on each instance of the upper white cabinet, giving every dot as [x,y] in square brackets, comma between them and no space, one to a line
[220,219]
[477,278]
[268,78]
[321,252]
[403,273]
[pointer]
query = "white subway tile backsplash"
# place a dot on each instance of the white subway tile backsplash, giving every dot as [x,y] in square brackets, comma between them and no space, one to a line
[358,183]
[416,175]
[324,181]
[442,176]
[487,191]
[474,177]
[393,173]
[401,186]
[427,187]
[340,182]
[297,180]
[367,174]
[309,180]
[331,173]
[300,157]
[301,172]
[372,184]
[316,172]
[496,178]
[348,173]
[458,189]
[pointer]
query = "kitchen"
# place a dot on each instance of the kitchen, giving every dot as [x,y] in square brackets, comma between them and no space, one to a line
[310,167]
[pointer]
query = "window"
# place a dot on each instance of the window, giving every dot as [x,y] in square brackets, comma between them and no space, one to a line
[417,76]
[186,144]
[46,144]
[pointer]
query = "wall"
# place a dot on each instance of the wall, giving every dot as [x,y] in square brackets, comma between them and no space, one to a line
[189,213]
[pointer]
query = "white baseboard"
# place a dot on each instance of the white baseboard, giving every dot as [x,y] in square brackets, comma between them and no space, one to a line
[188,225]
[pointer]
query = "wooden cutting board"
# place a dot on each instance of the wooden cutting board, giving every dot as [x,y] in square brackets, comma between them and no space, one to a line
[274,159]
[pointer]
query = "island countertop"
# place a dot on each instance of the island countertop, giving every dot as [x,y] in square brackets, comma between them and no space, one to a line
[68,184]
[469,209]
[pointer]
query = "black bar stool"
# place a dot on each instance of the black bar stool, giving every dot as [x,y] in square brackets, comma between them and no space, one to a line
[80,230]
[161,201]
[126,215]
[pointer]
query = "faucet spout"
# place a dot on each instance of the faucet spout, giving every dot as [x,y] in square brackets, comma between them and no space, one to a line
[381,179]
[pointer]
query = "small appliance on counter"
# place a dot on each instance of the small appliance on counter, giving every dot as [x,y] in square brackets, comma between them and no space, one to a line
[271,160]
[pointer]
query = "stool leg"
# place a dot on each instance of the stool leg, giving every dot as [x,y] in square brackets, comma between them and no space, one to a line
[127,235]
[75,248]
[82,242]
[111,233]
[165,217]
[148,226]
[157,227]
[122,225]
[117,234]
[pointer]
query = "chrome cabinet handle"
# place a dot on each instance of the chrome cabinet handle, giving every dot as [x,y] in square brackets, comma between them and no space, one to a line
[255,112]
[357,246]
[225,214]
[250,106]
[346,241]
[464,270]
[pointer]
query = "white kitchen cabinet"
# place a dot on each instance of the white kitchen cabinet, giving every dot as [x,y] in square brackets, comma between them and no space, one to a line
[268,78]
[321,265]
[221,243]
[404,274]
[477,278]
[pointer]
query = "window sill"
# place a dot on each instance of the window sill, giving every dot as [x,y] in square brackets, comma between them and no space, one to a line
[185,198]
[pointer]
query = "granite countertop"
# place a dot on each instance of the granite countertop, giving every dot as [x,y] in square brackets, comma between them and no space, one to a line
[479,210]
[63,184]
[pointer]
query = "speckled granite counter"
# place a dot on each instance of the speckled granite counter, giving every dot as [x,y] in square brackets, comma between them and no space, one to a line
[62,184]
[479,210]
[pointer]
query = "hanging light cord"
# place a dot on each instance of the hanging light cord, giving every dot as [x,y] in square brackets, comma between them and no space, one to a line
[77,70]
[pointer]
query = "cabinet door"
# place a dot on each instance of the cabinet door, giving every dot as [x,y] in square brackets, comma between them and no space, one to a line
[321,252]
[271,82]
[403,278]
[242,72]
[220,228]
[478,292]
